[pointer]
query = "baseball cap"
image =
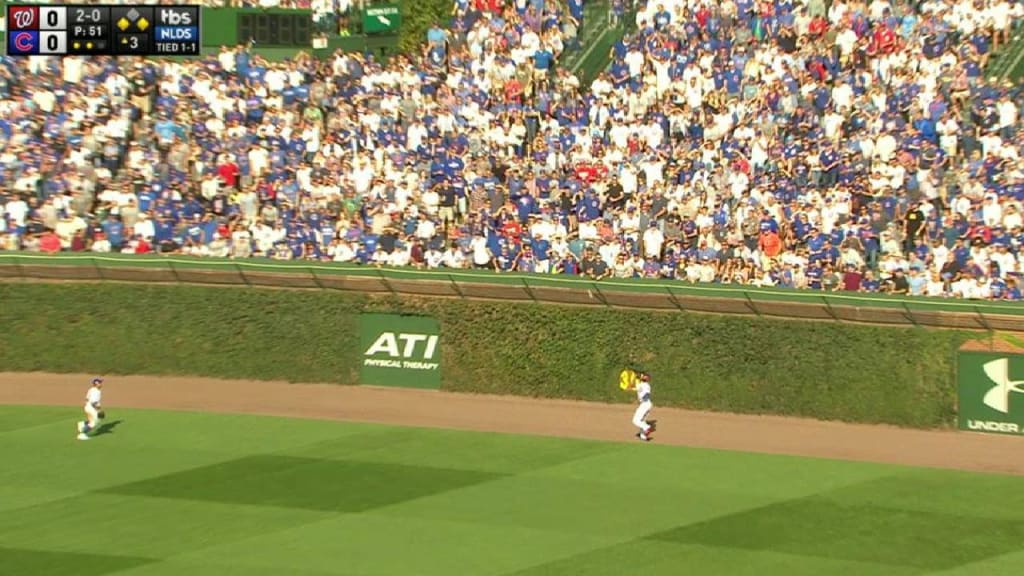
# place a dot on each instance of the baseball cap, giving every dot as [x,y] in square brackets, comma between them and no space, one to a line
[97,381]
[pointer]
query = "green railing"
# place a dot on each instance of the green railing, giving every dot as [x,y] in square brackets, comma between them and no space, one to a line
[553,289]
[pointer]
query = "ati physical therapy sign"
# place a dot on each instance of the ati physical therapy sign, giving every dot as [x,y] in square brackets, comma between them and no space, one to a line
[400,351]
[991,392]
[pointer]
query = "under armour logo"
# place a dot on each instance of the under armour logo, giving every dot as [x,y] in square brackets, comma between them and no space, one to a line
[998,398]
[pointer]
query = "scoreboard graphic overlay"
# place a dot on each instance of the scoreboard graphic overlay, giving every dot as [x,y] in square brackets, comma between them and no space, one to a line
[103,30]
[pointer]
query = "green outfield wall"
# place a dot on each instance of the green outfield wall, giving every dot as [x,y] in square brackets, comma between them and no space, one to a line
[903,376]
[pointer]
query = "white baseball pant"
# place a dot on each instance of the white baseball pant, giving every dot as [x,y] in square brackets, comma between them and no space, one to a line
[92,417]
[640,416]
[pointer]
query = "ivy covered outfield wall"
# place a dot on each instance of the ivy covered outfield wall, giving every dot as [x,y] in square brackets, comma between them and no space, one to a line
[902,376]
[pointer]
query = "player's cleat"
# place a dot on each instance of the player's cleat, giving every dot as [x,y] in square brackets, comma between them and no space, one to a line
[83,437]
[643,437]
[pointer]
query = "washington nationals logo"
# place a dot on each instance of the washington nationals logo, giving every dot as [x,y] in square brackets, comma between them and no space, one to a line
[24,18]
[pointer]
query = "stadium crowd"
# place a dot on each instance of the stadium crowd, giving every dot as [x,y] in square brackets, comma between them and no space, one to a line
[846,146]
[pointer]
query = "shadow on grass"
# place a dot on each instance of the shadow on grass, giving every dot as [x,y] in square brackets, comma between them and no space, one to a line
[107,427]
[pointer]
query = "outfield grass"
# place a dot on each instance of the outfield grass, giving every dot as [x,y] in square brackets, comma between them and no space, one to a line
[200,494]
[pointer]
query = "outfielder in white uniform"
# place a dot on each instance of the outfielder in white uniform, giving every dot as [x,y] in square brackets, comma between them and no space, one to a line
[643,409]
[93,406]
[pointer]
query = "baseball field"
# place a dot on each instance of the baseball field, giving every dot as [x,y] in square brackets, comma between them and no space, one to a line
[220,483]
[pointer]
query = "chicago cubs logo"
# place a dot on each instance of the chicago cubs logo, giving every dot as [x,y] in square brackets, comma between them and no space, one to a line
[24,42]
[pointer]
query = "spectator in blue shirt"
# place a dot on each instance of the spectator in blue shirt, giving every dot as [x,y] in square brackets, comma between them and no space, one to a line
[817,144]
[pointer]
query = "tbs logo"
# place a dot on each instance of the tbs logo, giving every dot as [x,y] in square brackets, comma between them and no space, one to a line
[172,17]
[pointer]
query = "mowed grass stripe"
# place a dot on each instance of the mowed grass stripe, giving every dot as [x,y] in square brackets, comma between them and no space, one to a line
[574,506]
[13,498]
[648,557]
[657,469]
[203,494]
[60,463]
[304,483]
[223,567]
[913,522]
[925,520]
[157,429]
[37,417]
[980,496]
[18,562]
[485,452]
[145,444]
[820,528]
[141,527]
[1009,564]
[371,544]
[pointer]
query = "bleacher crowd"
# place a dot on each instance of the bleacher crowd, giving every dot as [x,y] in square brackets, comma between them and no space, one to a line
[848,145]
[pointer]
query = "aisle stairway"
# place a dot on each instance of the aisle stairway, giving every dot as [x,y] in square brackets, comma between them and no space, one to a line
[596,40]
[1008,62]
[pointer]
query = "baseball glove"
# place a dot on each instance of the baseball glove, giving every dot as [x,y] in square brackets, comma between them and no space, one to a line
[101,414]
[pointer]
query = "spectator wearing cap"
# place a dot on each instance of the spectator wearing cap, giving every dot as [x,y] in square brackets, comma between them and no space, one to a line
[702,134]
[505,260]
[898,284]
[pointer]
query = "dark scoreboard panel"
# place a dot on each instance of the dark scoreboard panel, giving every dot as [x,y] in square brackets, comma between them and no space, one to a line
[275,29]
[105,30]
